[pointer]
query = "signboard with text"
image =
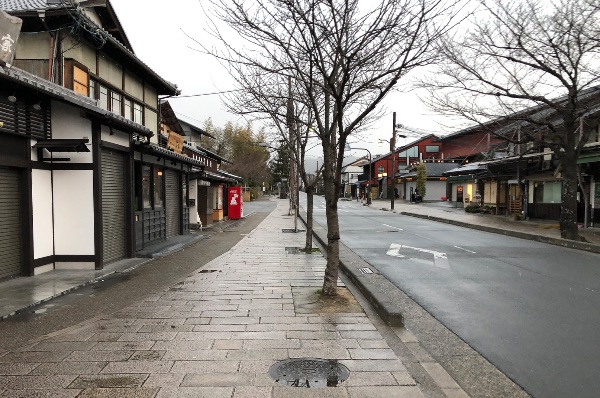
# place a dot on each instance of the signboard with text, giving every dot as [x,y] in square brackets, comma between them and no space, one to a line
[10,28]
[175,142]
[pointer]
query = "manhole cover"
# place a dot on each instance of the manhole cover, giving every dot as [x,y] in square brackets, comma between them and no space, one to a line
[309,372]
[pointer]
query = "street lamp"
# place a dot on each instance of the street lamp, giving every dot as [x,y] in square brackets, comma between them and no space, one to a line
[348,148]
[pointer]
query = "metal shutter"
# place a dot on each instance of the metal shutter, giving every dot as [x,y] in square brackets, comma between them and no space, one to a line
[113,206]
[10,223]
[172,202]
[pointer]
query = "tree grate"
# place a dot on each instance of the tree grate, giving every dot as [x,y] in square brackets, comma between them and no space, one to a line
[300,250]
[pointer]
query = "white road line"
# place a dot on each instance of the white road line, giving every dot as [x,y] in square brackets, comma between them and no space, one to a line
[467,250]
[391,226]
[440,259]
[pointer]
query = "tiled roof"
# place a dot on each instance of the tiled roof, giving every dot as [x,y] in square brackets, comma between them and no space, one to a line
[24,5]
[33,5]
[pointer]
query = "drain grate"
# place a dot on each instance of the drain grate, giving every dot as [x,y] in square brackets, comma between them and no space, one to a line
[206,271]
[366,270]
[309,372]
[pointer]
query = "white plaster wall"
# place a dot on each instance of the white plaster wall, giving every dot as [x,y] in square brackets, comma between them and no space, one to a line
[134,86]
[118,137]
[193,194]
[34,156]
[150,96]
[79,51]
[150,121]
[43,234]
[68,123]
[73,212]
[32,46]
[110,70]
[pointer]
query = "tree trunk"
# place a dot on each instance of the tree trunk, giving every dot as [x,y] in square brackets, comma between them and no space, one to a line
[310,192]
[333,226]
[568,210]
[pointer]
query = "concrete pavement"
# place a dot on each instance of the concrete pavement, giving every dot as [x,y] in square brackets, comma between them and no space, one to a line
[217,333]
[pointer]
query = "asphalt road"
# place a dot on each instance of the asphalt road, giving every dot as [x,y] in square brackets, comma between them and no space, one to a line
[533,310]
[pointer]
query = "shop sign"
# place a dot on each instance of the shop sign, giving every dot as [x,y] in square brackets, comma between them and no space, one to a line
[10,28]
[175,142]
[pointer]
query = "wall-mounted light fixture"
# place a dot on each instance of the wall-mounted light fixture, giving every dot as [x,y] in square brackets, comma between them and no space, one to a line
[12,98]
[37,106]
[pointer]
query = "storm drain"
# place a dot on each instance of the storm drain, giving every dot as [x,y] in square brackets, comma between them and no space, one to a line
[309,372]
[366,270]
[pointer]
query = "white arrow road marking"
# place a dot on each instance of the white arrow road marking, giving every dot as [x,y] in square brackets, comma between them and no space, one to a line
[394,250]
[467,250]
[440,259]
[391,226]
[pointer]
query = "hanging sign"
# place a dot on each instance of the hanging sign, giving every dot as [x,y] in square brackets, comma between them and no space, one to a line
[10,28]
[175,142]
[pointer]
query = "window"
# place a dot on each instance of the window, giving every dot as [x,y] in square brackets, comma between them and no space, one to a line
[115,102]
[128,106]
[158,187]
[410,152]
[432,148]
[146,198]
[103,97]
[80,81]
[547,192]
[92,91]
[137,113]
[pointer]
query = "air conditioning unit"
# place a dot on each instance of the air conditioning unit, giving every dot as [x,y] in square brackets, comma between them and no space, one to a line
[547,154]
[547,165]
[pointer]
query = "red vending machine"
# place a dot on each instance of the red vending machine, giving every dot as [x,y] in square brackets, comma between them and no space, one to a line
[235,203]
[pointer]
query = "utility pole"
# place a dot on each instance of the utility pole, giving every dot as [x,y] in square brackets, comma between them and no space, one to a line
[393,171]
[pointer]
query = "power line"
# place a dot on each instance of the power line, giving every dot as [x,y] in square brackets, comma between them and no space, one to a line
[206,94]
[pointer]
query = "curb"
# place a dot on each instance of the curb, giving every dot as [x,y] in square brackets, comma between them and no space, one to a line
[380,292]
[589,247]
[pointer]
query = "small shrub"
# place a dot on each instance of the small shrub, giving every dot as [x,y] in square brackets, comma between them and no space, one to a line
[473,208]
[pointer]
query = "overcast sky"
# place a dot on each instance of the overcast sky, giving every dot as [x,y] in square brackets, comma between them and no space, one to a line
[156,29]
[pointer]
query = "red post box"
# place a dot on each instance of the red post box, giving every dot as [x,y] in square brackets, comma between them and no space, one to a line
[235,202]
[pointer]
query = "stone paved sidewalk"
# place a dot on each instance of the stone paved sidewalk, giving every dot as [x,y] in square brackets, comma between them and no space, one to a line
[217,333]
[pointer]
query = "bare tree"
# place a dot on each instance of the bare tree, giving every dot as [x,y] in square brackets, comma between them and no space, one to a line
[275,101]
[531,61]
[344,57]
